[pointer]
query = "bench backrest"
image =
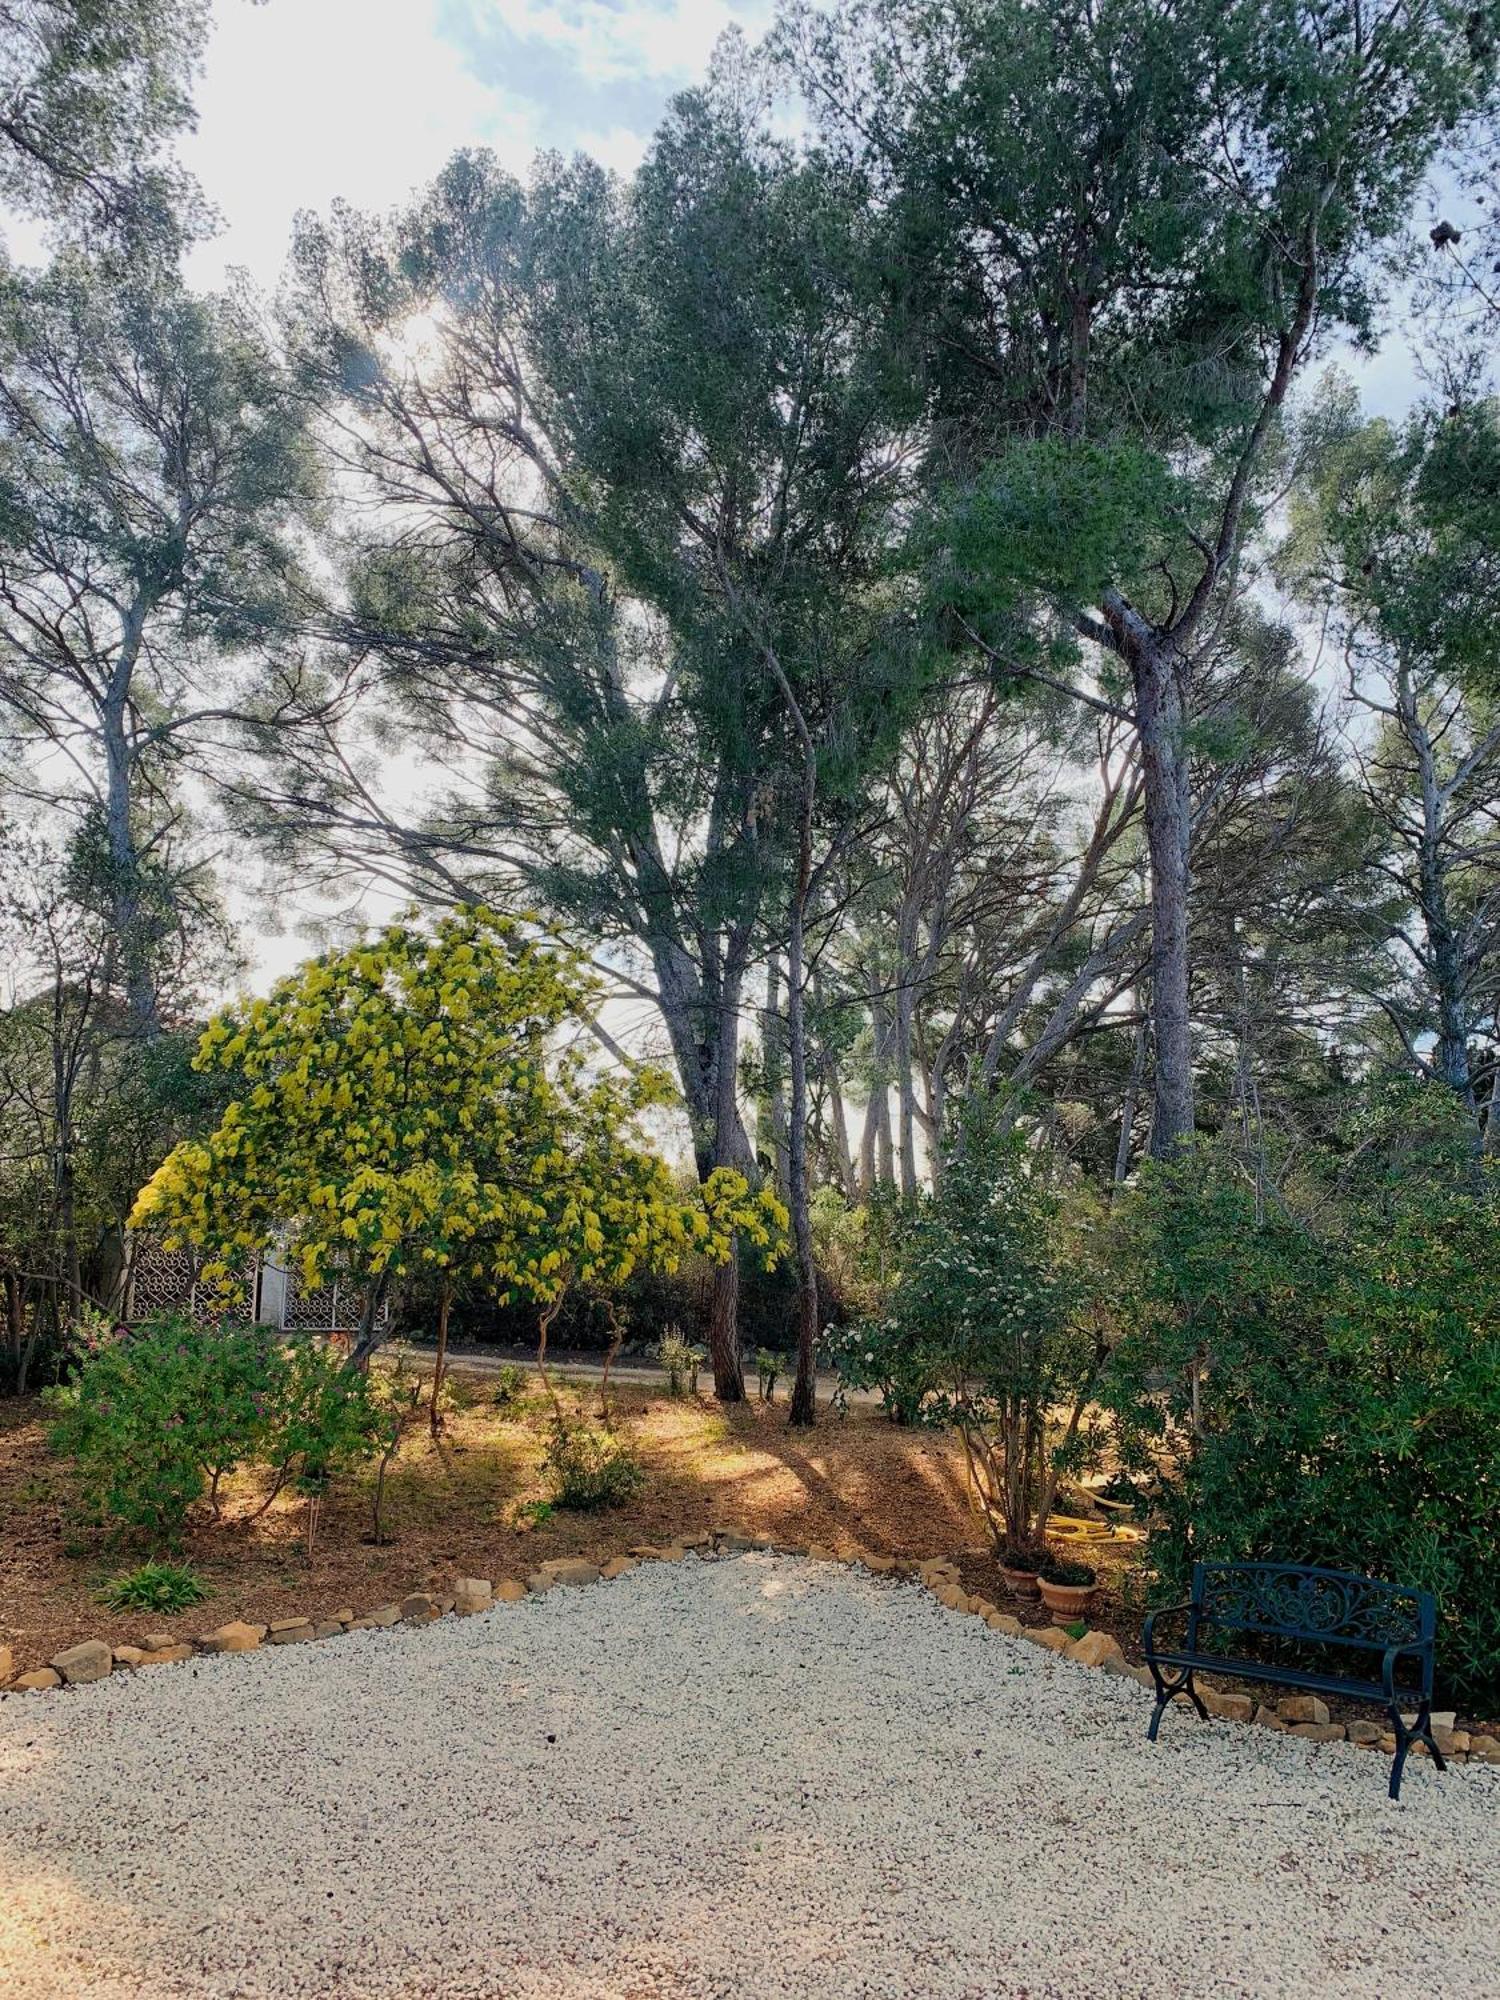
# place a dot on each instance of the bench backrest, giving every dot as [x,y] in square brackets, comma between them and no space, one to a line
[1328,1606]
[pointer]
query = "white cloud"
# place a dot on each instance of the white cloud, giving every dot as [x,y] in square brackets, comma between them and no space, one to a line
[303,101]
[611,40]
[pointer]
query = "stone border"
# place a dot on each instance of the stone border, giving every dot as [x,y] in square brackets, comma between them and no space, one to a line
[1297,1715]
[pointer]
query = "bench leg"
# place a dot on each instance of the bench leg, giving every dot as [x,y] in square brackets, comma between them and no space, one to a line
[1166,1690]
[1420,1732]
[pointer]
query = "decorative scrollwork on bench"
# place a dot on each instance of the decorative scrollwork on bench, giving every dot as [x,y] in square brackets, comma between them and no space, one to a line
[1311,1604]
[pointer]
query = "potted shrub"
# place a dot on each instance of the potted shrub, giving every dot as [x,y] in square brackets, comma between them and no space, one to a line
[1020,1564]
[1067,1587]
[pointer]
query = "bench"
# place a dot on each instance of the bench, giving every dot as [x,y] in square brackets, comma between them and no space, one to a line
[1312,1607]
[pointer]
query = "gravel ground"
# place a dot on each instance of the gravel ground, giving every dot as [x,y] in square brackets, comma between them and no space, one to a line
[738,1778]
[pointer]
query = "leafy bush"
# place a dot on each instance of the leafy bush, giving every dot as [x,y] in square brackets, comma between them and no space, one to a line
[510,1385]
[989,1330]
[155,1419]
[1064,1571]
[680,1361]
[590,1468]
[1332,1395]
[155,1586]
[769,1369]
[324,1418]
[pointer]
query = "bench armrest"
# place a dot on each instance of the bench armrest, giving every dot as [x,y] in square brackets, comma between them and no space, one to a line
[1421,1649]
[1149,1628]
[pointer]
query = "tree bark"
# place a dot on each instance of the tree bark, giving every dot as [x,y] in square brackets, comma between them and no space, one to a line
[1160,719]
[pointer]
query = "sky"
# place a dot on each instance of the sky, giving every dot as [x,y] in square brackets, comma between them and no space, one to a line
[305,101]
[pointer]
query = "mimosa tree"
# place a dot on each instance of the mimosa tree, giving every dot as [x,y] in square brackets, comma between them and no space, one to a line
[414,1108]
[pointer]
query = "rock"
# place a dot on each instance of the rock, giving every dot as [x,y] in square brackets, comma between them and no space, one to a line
[1228,1707]
[540,1580]
[471,1594]
[1441,1718]
[1094,1648]
[1452,1742]
[1388,1742]
[1052,1637]
[90,1660]
[509,1591]
[420,1609]
[445,1604]
[158,1642]
[820,1552]
[880,1565]
[236,1637]
[40,1677]
[571,1571]
[1268,1718]
[1318,1732]
[618,1566]
[344,1617]
[1302,1708]
[733,1541]
[129,1656]
[328,1628]
[360,1625]
[384,1615]
[1484,1749]
[1121,1669]
[161,1656]
[673,1552]
[1001,1621]
[7,1664]
[1365,1733]
[289,1631]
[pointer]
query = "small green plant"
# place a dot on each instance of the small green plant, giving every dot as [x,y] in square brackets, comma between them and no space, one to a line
[1063,1570]
[680,1362]
[590,1468]
[533,1513]
[155,1586]
[769,1368]
[1076,1627]
[510,1385]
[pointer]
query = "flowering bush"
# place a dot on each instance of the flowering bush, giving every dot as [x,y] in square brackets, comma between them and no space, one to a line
[411,1108]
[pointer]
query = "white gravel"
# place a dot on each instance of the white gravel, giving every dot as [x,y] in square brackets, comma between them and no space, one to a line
[735,1778]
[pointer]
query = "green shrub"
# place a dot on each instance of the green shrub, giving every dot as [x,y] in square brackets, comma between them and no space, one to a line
[154,1419]
[155,1586]
[769,1369]
[510,1385]
[323,1420]
[1064,1571]
[990,1328]
[680,1362]
[590,1468]
[1331,1396]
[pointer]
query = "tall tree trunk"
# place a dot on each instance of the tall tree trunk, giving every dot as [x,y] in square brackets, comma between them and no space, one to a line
[1160,720]
[906,1094]
[804,1393]
[1445,960]
[128,913]
[434,1414]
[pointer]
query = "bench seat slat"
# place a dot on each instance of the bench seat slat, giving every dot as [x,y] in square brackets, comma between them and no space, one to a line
[1284,1676]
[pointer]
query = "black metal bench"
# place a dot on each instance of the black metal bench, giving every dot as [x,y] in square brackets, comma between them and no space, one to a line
[1316,1607]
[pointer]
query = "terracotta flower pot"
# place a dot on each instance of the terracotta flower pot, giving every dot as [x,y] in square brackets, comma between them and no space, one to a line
[1020,1582]
[1067,1601]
